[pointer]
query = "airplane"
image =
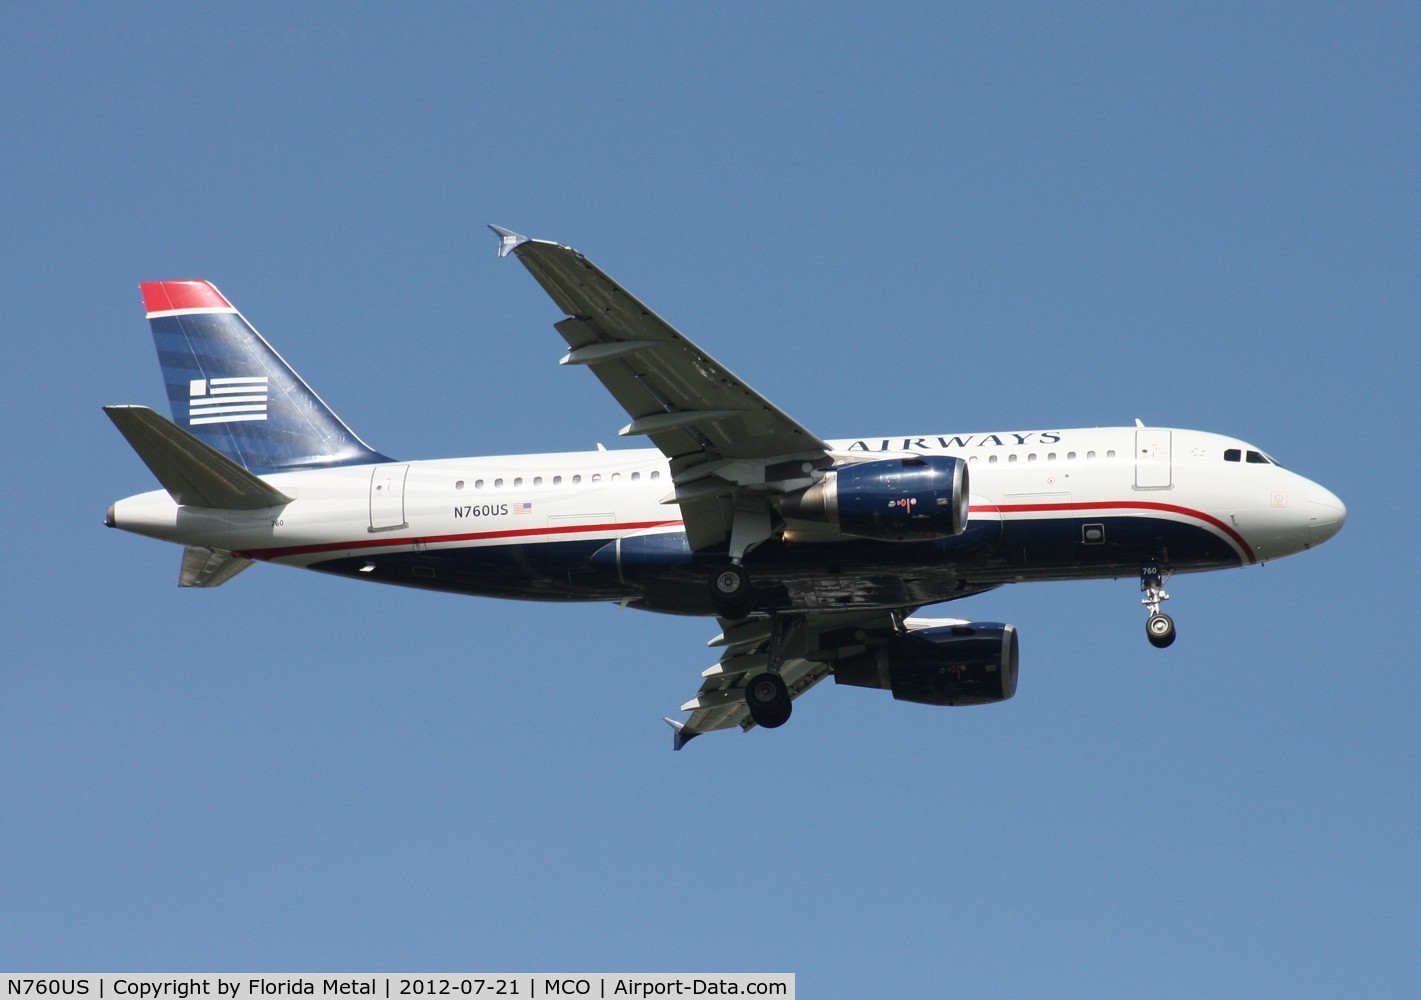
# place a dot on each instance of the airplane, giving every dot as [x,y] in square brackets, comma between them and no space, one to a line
[816,556]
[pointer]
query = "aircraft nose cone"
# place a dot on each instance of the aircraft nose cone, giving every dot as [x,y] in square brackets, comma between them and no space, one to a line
[1326,515]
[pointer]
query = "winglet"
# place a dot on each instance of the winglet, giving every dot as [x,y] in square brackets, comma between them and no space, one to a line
[682,737]
[508,240]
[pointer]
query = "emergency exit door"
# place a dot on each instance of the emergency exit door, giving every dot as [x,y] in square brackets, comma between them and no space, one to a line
[387,497]
[1152,461]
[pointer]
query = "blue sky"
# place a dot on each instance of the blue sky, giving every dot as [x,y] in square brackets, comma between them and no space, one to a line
[925,219]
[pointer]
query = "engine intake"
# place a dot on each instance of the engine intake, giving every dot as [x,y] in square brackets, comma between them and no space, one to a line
[973,664]
[901,499]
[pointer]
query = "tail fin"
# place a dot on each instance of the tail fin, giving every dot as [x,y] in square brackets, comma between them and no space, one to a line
[234,392]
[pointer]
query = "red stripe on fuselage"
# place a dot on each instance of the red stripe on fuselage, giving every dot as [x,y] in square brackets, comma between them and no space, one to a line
[1024,508]
[1126,505]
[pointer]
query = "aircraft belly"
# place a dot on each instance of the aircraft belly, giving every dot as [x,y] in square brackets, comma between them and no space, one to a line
[659,571]
[1098,544]
[810,575]
[550,571]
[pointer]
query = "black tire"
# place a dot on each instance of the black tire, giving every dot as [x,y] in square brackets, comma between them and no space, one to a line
[1160,630]
[768,700]
[730,592]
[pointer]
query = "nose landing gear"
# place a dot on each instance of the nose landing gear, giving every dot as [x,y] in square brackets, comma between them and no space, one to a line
[1159,627]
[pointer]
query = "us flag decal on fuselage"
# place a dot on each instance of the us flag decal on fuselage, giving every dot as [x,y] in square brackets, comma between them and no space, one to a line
[227,400]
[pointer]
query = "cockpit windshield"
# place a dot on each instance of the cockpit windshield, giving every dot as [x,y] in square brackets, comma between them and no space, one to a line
[1250,456]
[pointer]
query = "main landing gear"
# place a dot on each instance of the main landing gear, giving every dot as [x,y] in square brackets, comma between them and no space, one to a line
[1159,627]
[767,696]
[730,592]
[768,699]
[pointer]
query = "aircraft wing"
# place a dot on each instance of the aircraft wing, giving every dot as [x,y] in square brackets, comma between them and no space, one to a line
[807,645]
[726,443]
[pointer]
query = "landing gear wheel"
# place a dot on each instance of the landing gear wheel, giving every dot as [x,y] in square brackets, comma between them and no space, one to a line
[1160,629]
[730,592]
[768,700]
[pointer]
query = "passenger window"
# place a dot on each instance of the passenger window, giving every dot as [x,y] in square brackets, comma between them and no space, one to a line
[1070,456]
[597,477]
[1011,458]
[577,479]
[656,475]
[1090,456]
[537,480]
[1031,457]
[1110,453]
[636,476]
[1051,456]
[518,481]
[497,483]
[616,476]
[1232,455]
[991,459]
[557,480]
[478,484]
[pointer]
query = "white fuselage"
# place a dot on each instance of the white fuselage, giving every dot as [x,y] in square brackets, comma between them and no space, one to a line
[1237,497]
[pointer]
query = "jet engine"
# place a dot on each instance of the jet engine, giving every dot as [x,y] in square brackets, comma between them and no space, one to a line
[900,499]
[968,664]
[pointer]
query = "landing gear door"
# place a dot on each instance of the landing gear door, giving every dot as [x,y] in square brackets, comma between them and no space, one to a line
[1152,459]
[387,497]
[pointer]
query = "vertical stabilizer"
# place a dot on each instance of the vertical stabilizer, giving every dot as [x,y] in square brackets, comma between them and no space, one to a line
[231,390]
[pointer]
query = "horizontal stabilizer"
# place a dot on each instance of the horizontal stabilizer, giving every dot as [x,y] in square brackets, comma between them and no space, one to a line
[193,473]
[209,567]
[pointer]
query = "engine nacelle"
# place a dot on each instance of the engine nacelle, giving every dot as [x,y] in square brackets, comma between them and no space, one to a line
[972,664]
[898,499]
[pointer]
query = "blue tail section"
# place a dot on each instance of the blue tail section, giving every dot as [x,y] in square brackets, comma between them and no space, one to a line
[229,388]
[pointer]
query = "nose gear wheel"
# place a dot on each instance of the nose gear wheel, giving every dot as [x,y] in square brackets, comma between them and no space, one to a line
[1159,627]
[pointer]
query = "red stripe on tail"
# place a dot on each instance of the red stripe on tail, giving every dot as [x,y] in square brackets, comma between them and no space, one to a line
[163,296]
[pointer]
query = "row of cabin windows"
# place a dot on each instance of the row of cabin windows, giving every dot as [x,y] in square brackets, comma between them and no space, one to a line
[596,477]
[1050,457]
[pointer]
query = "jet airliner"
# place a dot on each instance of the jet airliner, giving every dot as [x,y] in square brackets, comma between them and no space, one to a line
[817,556]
